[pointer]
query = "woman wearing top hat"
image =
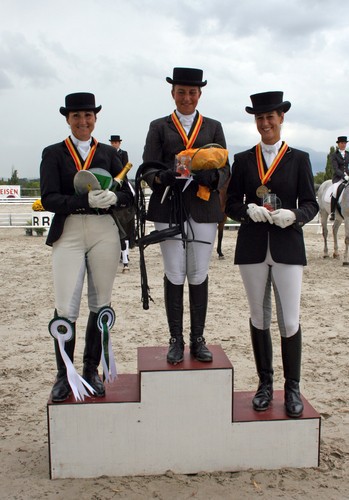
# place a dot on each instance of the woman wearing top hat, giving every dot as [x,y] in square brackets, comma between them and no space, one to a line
[340,170]
[270,248]
[183,129]
[83,234]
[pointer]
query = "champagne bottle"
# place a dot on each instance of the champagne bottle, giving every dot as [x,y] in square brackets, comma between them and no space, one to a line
[119,179]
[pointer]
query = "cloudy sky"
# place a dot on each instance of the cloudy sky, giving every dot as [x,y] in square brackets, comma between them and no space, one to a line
[122,51]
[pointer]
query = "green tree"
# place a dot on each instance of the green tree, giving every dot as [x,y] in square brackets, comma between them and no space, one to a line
[30,187]
[328,169]
[319,178]
[14,180]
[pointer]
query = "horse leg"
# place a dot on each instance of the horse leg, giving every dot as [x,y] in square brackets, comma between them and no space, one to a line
[346,241]
[335,228]
[220,239]
[324,217]
[222,201]
[345,261]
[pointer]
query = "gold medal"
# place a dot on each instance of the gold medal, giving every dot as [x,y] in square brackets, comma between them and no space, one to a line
[262,191]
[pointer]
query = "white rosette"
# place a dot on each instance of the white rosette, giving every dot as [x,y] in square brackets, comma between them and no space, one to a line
[62,330]
[105,322]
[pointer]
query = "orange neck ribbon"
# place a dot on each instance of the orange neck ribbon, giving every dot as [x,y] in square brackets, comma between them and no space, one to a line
[75,156]
[265,176]
[188,142]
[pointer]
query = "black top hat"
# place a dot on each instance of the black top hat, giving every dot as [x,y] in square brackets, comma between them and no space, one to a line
[187,76]
[267,101]
[115,138]
[80,101]
[342,138]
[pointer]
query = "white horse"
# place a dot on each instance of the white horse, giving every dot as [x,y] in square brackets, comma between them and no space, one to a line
[325,210]
[345,213]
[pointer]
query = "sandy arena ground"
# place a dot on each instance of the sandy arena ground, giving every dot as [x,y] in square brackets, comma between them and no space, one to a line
[28,371]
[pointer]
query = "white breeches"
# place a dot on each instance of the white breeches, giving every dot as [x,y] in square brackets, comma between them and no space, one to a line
[331,191]
[191,260]
[89,244]
[286,280]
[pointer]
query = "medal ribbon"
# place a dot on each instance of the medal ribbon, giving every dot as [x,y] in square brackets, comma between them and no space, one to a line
[105,321]
[188,142]
[75,156]
[265,176]
[62,330]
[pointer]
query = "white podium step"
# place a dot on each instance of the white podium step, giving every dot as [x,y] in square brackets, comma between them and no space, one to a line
[184,418]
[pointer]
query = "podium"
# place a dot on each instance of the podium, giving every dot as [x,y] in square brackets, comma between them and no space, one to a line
[185,418]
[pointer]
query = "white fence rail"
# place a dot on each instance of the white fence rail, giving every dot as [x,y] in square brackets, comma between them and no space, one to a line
[10,220]
[16,212]
[24,220]
[15,220]
[18,201]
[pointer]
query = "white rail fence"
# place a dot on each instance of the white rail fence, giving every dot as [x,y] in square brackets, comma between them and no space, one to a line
[10,217]
[15,220]
[24,220]
[18,201]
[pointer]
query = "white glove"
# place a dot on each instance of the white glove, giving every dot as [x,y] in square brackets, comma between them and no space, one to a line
[101,199]
[346,177]
[110,198]
[283,217]
[258,214]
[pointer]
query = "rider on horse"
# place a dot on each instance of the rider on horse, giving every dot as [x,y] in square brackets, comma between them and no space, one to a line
[340,162]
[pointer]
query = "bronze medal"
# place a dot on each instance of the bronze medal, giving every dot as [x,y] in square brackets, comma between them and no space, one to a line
[262,191]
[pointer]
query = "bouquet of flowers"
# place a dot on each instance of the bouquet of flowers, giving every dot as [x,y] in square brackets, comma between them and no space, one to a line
[204,158]
[37,206]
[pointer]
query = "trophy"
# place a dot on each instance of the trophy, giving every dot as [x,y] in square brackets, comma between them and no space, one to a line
[183,166]
[271,202]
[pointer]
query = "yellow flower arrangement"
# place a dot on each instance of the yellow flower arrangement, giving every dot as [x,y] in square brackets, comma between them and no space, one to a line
[37,206]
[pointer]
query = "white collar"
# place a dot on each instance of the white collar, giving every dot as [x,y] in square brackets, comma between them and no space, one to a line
[271,148]
[81,144]
[186,118]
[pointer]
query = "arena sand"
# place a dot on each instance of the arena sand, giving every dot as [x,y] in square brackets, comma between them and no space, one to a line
[28,371]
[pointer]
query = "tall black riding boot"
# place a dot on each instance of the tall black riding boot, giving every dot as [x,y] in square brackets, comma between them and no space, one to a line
[291,349]
[173,295]
[61,389]
[198,298]
[333,208]
[92,355]
[263,355]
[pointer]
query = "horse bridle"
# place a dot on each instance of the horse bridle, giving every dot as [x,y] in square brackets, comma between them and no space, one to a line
[176,227]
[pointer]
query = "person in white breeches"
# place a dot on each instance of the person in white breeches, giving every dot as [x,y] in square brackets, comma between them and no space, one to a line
[270,250]
[84,236]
